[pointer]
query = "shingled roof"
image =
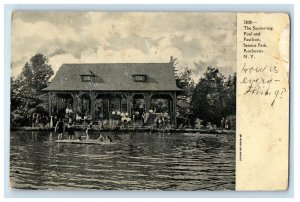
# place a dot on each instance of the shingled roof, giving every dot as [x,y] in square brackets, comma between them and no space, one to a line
[114,77]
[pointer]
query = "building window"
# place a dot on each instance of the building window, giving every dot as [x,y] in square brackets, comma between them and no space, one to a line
[86,78]
[139,78]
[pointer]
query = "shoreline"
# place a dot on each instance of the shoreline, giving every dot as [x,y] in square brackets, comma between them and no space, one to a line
[202,131]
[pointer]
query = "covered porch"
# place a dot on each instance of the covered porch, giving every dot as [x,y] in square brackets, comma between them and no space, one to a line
[99,107]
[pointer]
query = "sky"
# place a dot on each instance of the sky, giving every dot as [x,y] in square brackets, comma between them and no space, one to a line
[197,40]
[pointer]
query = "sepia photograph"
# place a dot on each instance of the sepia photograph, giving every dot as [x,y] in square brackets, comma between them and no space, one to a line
[123,101]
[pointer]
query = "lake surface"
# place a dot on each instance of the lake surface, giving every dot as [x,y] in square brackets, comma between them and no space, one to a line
[135,161]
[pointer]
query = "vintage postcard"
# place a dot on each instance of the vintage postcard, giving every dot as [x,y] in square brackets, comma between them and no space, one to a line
[149,101]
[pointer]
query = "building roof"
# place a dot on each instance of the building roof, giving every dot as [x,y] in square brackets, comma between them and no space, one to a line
[114,77]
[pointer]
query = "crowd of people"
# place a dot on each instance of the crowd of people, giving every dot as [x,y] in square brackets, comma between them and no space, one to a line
[117,118]
[149,119]
[225,123]
[36,120]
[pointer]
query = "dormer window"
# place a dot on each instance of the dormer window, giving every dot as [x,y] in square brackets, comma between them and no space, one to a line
[86,78]
[139,77]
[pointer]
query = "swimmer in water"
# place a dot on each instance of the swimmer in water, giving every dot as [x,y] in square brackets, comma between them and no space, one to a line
[89,127]
[108,139]
[71,131]
[100,138]
[59,128]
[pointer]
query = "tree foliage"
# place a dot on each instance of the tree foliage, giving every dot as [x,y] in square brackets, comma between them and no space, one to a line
[185,82]
[214,96]
[35,75]
[26,90]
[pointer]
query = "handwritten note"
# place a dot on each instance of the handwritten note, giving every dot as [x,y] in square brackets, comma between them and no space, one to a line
[259,81]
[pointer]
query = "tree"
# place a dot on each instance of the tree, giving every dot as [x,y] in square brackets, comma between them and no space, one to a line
[16,100]
[214,96]
[173,62]
[230,89]
[185,82]
[35,74]
[26,89]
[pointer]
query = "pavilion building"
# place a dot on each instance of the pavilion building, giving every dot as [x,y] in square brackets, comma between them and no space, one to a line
[98,89]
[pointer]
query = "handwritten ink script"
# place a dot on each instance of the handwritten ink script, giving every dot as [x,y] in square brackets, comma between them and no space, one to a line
[262,79]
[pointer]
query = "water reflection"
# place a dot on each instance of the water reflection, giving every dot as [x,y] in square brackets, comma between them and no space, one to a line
[135,161]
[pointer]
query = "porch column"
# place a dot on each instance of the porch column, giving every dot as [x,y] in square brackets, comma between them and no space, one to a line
[81,106]
[174,109]
[88,106]
[75,102]
[58,100]
[120,103]
[129,97]
[170,106]
[108,106]
[147,102]
[50,104]
[93,97]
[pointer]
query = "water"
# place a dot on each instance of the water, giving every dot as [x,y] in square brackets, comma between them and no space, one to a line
[136,161]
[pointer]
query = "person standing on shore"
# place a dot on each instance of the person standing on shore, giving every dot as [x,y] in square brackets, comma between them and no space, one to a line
[59,128]
[227,124]
[223,123]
